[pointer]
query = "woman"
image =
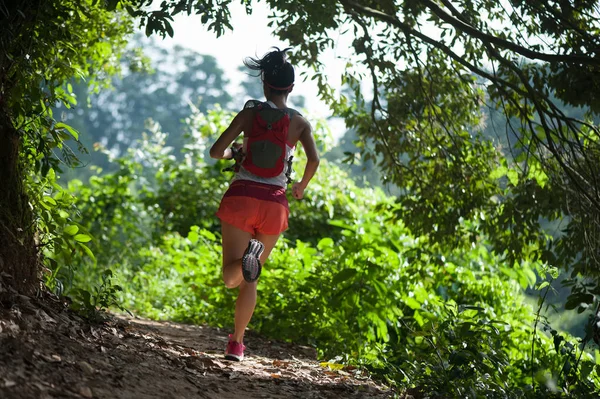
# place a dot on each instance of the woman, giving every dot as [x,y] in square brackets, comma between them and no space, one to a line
[254,210]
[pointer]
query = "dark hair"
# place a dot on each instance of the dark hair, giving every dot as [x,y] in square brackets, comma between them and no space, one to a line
[274,69]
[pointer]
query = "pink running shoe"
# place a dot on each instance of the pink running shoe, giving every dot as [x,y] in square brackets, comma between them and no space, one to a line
[234,351]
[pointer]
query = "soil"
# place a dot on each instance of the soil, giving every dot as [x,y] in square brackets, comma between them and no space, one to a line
[47,351]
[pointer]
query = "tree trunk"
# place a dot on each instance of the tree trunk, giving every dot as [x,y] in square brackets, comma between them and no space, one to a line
[18,253]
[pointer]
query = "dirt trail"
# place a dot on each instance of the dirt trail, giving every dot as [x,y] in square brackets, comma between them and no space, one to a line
[48,353]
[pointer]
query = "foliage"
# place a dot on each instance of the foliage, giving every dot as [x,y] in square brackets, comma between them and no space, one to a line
[64,241]
[422,288]
[65,247]
[433,67]
[92,305]
[73,40]
[42,46]
[150,192]
[361,287]
[455,61]
[451,330]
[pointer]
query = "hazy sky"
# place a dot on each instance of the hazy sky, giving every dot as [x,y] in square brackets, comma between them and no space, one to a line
[251,36]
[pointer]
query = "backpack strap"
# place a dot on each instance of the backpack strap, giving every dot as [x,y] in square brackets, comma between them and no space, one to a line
[292,112]
[288,169]
[259,104]
[288,173]
[252,104]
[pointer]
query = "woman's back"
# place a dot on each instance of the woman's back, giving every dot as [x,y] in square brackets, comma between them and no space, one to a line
[298,125]
[247,169]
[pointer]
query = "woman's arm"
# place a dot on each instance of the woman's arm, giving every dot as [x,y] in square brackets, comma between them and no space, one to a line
[312,161]
[220,149]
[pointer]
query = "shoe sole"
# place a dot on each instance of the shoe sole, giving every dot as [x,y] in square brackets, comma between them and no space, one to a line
[234,358]
[251,267]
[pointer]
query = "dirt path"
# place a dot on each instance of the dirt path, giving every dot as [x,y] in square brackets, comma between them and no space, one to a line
[45,353]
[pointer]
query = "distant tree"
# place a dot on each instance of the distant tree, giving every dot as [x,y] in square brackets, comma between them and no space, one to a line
[347,156]
[251,85]
[177,79]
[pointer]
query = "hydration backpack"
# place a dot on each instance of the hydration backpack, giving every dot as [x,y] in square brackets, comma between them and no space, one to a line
[266,146]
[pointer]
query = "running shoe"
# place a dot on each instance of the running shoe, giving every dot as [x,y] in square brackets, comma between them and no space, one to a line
[251,266]
[234,351]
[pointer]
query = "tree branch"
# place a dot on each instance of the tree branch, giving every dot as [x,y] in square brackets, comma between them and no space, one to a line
[506,44]
[426,39]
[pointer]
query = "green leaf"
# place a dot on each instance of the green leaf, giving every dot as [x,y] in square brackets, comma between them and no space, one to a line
[586,369]
[344,275]
[326,242]
[111,4]
[417,316]
[82,238]
[71,229]
[536,173]
[411,303]
[85,297]
[557,340]
[543,285]
[531,276]
[208,235]
[462,308]
[49,200]
[193,236]
[70,129]
[499,172]
[513,176]
[342,224]
[523,281]
[88,251]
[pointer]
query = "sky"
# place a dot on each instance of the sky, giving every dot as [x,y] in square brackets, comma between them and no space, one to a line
[252,37]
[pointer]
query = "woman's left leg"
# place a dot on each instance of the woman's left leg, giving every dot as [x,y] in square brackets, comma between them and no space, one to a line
[234,243]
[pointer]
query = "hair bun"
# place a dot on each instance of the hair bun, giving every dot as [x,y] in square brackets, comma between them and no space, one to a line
[274,68]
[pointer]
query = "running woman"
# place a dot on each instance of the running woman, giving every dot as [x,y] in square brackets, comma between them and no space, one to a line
[254,210]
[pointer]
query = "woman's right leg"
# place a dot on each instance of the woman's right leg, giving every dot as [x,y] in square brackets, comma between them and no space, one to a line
[235,242]
[246,301]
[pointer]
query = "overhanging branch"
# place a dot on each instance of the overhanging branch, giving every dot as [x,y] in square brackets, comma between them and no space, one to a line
[507,44]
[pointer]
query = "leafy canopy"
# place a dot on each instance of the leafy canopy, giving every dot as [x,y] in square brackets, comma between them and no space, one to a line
[44,45]
[434,68]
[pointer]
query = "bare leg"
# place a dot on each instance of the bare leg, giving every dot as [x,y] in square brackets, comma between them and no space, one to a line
[244,308]
[235,242]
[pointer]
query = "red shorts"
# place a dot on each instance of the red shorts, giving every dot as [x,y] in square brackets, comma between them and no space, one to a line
[255,207]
